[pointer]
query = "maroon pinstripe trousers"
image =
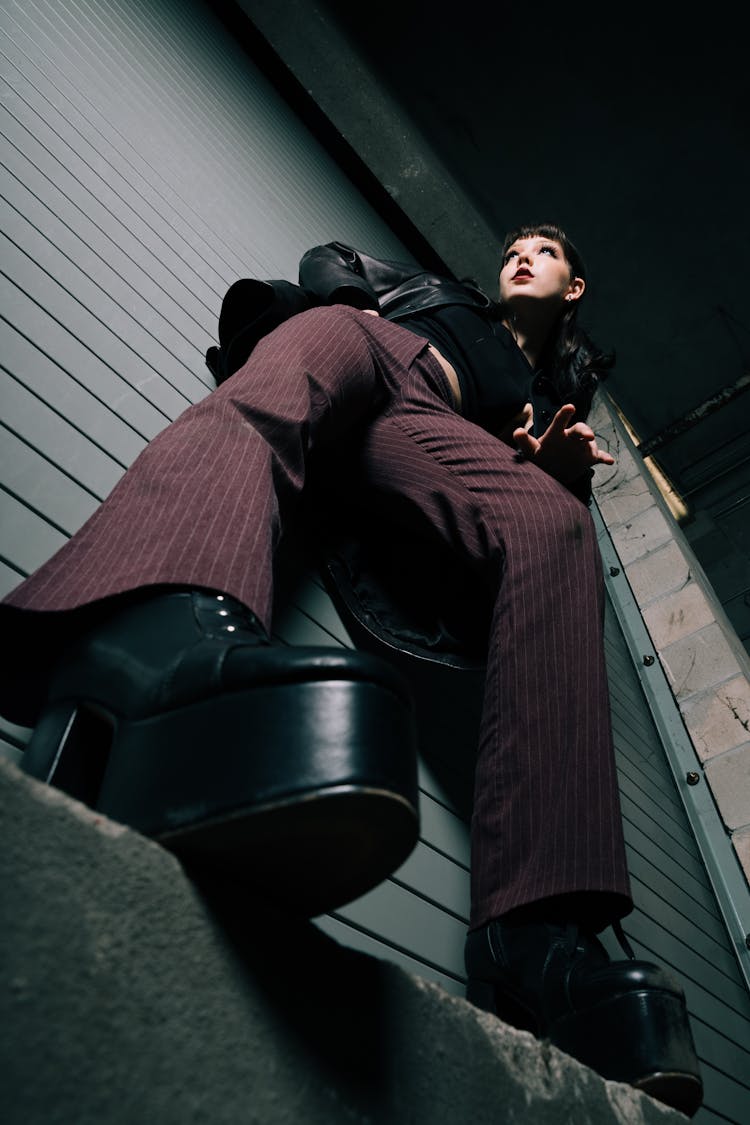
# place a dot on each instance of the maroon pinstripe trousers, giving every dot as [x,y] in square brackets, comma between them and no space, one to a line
[205,504]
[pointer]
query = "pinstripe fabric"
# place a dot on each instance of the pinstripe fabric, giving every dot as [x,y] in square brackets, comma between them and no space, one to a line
[546,810]
[205,505]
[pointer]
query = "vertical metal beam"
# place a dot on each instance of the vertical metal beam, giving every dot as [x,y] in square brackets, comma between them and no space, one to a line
[722,866]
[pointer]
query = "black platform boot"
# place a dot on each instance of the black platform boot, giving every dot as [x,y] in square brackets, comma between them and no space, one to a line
[627,1020]
[294,767]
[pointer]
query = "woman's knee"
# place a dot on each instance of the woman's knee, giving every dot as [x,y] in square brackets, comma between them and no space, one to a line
[330,321]
[330,335]
[322,343]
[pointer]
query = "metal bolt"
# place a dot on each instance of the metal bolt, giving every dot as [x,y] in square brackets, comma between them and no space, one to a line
[648,661]
[614,571]
[692,777]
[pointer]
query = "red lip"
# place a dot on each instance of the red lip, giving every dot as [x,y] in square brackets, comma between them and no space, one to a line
[523,272]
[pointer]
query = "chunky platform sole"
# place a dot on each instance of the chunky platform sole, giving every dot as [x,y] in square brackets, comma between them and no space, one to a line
[641,1038]
[308,791]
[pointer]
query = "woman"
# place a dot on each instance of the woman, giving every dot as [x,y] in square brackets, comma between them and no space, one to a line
[157,610]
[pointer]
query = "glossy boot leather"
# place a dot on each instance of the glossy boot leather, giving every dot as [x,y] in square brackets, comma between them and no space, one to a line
[294,768]
[625,1019]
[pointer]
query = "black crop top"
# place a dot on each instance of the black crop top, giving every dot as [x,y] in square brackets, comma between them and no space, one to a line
[495,378]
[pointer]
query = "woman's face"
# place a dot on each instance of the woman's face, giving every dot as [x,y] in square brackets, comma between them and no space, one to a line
[537,268]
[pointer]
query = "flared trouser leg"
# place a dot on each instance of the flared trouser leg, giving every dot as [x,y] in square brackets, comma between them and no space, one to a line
[546,819]
[206,502]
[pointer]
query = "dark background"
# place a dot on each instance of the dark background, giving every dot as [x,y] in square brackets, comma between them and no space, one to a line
[628,125]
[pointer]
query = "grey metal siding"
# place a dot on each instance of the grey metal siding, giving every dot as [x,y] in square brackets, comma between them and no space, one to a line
[148,165]
[677,921]
[418,917]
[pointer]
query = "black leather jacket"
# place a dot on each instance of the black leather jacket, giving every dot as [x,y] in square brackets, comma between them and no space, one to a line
[341,275]
[328,275]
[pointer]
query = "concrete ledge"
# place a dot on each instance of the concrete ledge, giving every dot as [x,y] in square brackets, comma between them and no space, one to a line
[129,996]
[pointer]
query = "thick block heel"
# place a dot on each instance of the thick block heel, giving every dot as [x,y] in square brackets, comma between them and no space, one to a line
[52,734]
[69,749]
[642,1038]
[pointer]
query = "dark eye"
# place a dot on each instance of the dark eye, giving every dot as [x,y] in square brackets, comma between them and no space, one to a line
[548,250]
[509,255]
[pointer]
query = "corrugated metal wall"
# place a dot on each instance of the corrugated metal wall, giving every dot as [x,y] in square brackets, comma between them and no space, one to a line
[677,921]
[147,165]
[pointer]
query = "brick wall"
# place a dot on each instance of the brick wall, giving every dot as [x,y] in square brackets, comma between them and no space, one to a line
[705,663]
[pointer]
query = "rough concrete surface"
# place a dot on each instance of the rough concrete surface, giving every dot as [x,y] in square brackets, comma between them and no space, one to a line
[130,996]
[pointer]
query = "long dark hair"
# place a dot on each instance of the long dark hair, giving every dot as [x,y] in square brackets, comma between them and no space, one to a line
[571,360]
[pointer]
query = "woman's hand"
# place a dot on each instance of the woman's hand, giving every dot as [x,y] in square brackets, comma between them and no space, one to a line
[565,452]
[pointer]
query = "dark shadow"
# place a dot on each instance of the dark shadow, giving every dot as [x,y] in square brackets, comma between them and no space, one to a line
[331,1001]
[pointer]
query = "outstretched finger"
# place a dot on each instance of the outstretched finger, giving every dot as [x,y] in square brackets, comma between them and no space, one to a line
[561,419]
[526,443]
[581,431]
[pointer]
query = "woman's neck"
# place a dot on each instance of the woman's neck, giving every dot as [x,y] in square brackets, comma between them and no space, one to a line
[530,333]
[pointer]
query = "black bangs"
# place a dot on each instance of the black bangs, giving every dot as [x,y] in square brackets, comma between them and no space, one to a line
[556,234]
